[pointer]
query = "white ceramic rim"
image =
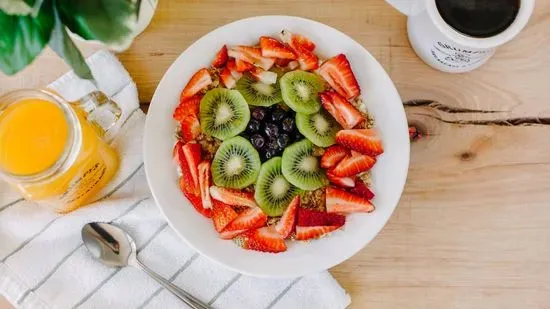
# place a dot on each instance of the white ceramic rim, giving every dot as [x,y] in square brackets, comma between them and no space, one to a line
[525,11]
[354,244]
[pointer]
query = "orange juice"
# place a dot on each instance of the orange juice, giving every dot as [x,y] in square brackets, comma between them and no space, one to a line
[52,154]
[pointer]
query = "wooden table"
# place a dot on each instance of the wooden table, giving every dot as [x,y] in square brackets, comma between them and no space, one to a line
[472,229]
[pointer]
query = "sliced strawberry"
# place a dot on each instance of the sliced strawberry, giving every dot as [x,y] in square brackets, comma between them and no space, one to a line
[308,217]
[227,79]
[251,218]
[342,110]
[266,77]
[264,239]
[362,190]
[272,48]
[243,66]
[337,72]
[342,202]
[288,220]
[192,154]
[232,66]
[294,39]
[282,62]
[200,80]
[187,184]
[204,183]
[194,198]
[251,55]
[312,232]
[221,58]
[233,197]
[345,182]
[293,65]
[365,141]
[177,154]
[333,155]
[190,128]
[222,215]
[308,60]
[353,164]
[188,106]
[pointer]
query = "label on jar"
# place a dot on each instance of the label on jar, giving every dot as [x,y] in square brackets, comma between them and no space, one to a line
[457,58]
[81,187]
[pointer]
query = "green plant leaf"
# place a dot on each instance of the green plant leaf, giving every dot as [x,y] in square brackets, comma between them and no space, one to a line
[62,44]
[109,21]
[22,38]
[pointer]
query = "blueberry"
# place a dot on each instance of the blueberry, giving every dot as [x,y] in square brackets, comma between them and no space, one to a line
[271,130]
[270,154]
[277,115]
[282,140]
[288,124]
[272,144]
[253,126]
[258,113]
[257,140]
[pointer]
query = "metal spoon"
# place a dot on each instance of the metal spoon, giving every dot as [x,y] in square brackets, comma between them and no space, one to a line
[114,247]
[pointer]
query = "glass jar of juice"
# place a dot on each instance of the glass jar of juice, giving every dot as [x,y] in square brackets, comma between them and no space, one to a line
[53,151]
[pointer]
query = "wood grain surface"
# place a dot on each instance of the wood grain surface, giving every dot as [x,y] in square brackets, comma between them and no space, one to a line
[472,229]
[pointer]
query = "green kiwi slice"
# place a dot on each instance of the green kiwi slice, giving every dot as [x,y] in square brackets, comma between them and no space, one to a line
[301,168]
[300,91]
[273,192]
[223,113]
[320,128]
[236,164]
[257,93]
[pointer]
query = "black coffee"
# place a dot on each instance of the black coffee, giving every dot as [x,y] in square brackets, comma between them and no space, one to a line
[479,18]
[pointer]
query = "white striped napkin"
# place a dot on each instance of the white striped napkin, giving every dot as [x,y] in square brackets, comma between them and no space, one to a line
[43,263]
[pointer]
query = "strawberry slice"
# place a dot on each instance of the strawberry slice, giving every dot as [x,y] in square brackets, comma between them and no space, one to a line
[221,58]
[222,215]
[294,39]
[204,183]
[195,199]
[266,77]
[227,78]
[232,66]
[275,49]
[345,182]
[362,190]
[353,164]
[243,66]
[308,217]
[308,60]
[190,128]
[192,155]
[333,155]
[264,239]
[288,220]
[251,55]
[233,197]
[312,232]
[188,106]
[365,141]
[181,161]
[342,202]
[342,110]
[200,80]
[293,65]
[251,218]
[282,62]
[337,72]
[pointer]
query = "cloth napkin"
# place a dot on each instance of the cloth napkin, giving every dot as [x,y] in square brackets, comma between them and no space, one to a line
[43,263]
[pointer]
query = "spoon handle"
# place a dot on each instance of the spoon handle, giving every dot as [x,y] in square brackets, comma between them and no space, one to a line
[187,298]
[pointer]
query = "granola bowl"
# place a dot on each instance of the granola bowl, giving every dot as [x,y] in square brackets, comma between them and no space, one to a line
[387,178]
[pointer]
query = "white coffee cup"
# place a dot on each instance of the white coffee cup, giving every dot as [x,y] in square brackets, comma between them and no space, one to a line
[444,48]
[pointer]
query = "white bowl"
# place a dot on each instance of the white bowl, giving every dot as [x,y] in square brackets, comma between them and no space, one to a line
[389,174]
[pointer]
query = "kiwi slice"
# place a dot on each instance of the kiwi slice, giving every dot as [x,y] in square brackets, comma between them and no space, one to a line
[223,113]
[300,91]
[301,168]
[258,93]
[320,128]
[236,164]
[273,192]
